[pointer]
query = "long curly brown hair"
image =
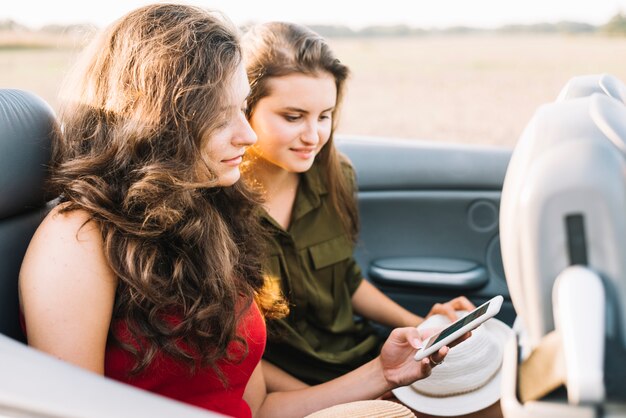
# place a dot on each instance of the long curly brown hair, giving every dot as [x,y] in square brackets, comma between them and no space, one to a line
[277,49]
[145,99]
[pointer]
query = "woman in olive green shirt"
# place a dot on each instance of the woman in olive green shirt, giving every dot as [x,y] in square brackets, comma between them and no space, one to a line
[310,210]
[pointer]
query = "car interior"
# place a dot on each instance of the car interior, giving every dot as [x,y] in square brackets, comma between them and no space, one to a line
[437,221]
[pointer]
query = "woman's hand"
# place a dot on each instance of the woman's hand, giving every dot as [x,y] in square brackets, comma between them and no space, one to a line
[449,308]
[394,367]
[396,358]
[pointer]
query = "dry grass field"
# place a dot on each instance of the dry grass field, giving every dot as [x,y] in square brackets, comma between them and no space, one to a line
[474,89]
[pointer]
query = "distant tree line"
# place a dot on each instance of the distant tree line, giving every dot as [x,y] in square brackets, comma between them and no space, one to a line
[9,25]
[616,26]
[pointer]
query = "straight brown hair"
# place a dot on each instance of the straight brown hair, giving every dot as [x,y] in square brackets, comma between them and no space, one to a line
[278,49]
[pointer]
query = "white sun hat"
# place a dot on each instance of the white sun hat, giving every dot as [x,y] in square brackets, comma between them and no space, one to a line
[469,378]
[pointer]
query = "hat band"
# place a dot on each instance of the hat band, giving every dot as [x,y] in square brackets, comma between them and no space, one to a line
[461,392]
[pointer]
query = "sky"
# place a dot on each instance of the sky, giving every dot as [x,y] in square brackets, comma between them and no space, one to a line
[353,13]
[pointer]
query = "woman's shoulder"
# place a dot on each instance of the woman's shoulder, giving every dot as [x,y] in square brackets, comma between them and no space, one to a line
[73,226]
[65,241]
[345,162]
[347,169]
[67,289]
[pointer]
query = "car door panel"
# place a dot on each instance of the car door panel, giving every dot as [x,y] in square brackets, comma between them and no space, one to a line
[429,220]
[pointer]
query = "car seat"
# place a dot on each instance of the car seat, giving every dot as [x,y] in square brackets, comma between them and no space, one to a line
[563,240]
[26,127]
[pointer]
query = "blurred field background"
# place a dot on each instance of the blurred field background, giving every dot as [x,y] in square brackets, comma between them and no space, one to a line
[473,89]
[477,88]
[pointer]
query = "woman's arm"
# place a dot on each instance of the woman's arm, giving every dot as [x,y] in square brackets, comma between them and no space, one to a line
[373,304]
[394,367]
[278,380]
[67,290]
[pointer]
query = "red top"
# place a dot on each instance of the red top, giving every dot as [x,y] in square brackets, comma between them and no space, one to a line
[167,377]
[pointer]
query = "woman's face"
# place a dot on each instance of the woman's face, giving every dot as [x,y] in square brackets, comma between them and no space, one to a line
[294,121]
[225,148]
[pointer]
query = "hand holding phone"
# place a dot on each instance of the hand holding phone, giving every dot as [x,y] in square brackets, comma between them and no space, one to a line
[455,330]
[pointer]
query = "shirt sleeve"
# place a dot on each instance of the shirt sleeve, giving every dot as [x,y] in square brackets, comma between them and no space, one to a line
[349,173]
[354,276]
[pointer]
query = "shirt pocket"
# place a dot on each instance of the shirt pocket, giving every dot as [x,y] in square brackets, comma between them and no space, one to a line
[328,292]
[330,252]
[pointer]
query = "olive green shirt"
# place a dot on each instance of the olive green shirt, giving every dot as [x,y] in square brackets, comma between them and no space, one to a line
[313,263]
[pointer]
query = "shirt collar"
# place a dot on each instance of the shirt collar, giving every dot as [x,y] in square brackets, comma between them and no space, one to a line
[310,190]
[308,197]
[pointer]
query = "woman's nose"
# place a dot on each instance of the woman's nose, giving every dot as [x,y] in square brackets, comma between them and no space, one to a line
[245,136]
[310,134]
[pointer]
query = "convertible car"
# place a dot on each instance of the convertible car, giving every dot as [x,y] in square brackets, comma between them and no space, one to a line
[431,230]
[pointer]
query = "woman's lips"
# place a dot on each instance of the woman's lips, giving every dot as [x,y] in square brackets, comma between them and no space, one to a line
[234,161]
[304,153]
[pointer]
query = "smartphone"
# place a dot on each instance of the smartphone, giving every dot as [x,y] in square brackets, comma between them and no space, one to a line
[455,330]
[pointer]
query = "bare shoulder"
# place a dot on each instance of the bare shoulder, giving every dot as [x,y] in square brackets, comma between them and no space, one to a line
[65,245]
[67,289]
[69,226]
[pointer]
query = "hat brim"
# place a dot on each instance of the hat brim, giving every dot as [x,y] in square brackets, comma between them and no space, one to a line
[467,402]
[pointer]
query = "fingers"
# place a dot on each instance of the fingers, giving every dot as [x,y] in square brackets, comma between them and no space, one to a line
[425,333]
[434,363]
[463,303]
[399,367]
[438,357]
[425,368]
[449,308]
[416,343]
[411,335]
[427,364]
[444,309]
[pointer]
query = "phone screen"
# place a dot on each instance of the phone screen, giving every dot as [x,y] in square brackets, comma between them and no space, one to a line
[460,323]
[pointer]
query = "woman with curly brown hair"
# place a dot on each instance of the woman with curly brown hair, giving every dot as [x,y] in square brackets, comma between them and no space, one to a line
[148,271]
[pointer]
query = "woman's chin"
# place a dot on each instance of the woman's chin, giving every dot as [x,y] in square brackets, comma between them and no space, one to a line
[228,179]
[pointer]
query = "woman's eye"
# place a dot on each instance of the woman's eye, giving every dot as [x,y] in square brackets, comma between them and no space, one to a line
[291,118]
[222,124]
[324,117]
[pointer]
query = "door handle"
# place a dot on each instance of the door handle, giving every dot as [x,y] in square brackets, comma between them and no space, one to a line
[429,272]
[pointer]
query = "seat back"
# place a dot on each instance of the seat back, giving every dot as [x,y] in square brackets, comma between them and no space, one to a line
[563,238]
[26,127]
[567,171]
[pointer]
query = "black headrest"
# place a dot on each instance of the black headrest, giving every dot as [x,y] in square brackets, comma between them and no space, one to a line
[26,123]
